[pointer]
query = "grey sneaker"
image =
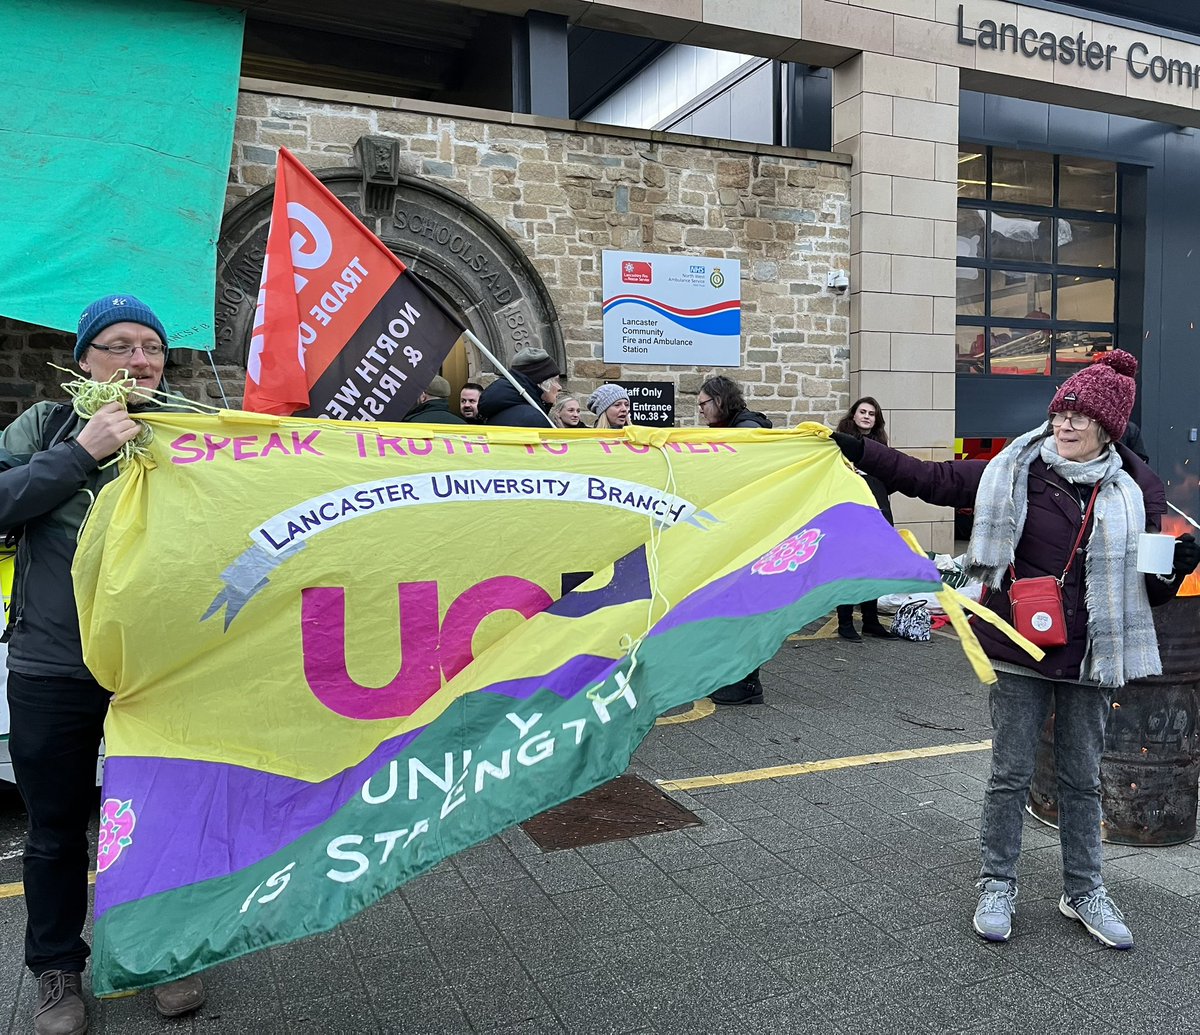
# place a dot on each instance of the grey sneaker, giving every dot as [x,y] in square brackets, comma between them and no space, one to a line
[60,1009]
[993,915]
[1099,914]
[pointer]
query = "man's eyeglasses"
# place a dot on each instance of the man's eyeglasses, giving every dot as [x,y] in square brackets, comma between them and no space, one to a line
[122,350]
[1076,420]
[701,403]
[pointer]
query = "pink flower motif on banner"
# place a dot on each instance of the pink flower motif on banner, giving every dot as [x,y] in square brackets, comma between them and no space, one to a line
[116,827]
[790,554]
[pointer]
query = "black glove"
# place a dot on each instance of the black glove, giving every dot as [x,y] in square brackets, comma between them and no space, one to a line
[851,446]
[1187,555]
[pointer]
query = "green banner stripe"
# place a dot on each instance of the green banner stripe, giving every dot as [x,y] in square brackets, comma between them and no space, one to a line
[367,849]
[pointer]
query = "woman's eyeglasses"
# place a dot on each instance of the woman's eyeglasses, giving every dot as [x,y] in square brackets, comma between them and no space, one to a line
[1076,420]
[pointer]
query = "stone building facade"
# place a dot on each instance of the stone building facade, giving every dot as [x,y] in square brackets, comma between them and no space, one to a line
[565,192]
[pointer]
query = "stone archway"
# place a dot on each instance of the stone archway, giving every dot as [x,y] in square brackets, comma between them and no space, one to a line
[455,247]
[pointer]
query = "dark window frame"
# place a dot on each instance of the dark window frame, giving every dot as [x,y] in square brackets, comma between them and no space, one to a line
[987,264]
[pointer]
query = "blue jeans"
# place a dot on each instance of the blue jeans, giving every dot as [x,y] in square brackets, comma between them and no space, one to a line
[1019,706]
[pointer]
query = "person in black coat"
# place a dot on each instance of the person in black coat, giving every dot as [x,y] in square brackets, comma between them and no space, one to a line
[722,405]
[534,369]
[864,419]
[1132,439]
[433,405]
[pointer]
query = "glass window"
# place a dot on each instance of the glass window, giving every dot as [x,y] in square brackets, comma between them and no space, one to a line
[970,350]
[1086,299]
[1087,184]
[1082,242]
[1019,350]
[1028,238]
[1026,177]
[972,228]
[1036,283]
[970,284]
[1020,296]
[1079,348]
[972,174]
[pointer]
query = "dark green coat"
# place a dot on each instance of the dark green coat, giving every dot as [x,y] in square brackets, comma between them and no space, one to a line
[435,411]
[45,491]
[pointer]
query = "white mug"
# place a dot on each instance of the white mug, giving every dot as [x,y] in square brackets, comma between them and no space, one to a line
[1156,553]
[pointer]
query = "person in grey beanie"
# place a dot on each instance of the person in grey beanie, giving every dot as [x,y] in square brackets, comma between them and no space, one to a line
[52,462]
[610,404]
[538,374]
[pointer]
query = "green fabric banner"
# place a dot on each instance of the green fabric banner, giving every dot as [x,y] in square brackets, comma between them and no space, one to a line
[115,138]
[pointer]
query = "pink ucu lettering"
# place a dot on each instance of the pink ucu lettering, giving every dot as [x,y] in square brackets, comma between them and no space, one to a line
[429,648]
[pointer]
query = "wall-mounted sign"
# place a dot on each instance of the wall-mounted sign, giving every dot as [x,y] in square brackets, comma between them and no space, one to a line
[651,403]
[673,310]
[1076,50]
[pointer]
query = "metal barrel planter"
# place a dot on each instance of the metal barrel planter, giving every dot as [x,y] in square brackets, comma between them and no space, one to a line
[1151,763]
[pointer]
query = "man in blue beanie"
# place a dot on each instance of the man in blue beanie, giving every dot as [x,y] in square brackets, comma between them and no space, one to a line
[50,467]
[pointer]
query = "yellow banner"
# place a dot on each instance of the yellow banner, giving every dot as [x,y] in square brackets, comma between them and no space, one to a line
[341,652]
[348,579]
[6,578]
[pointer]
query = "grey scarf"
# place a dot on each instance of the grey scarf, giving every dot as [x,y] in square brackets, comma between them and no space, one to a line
[1121,640]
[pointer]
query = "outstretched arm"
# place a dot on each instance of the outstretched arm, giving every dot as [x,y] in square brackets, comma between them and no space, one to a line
[949,483]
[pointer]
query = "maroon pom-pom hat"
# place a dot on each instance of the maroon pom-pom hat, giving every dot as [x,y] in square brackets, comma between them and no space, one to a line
[1104,391]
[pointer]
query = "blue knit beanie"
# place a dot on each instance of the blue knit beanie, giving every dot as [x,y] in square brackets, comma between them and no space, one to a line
[110,309]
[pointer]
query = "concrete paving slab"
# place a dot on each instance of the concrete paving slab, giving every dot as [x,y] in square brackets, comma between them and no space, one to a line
[835,901]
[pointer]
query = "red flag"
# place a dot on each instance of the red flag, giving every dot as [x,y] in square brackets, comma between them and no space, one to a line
[341,329]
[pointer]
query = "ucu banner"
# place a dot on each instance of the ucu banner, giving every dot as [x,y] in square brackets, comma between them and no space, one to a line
[372,645]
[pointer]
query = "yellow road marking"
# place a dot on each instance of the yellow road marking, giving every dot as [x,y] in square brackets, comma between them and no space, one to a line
[800,768]
[700,709]
[18,890]
[827,632]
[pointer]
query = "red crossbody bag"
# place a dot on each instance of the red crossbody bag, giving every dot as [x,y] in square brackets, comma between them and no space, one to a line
[1037,608]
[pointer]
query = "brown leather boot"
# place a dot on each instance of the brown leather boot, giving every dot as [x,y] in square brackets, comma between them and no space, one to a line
[60,1009]
[176,998]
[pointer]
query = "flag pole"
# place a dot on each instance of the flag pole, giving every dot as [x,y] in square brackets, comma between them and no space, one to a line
[212,363]
[470,336]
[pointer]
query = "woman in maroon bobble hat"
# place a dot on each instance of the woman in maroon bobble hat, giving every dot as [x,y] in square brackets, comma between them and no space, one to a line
[1031,502]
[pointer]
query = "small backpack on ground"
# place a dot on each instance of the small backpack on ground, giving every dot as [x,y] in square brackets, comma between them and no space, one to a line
[912,621]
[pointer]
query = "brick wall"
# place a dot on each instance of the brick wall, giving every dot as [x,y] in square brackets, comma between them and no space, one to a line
[26,352]
[566,192]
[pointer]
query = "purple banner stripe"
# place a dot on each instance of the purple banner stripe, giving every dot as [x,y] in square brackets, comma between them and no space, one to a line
[251,814]
[258,812]
[856,543]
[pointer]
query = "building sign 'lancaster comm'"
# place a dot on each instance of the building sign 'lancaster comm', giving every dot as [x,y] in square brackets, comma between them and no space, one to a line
[675,310]
[1076,50]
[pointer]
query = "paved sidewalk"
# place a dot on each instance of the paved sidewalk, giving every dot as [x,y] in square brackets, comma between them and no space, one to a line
[836,901]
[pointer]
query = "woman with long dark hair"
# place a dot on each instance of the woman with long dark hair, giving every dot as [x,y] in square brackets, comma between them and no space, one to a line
[864,419]
[722,405]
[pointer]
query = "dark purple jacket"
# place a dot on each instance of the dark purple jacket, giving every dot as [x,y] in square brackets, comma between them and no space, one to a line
[1051,525]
